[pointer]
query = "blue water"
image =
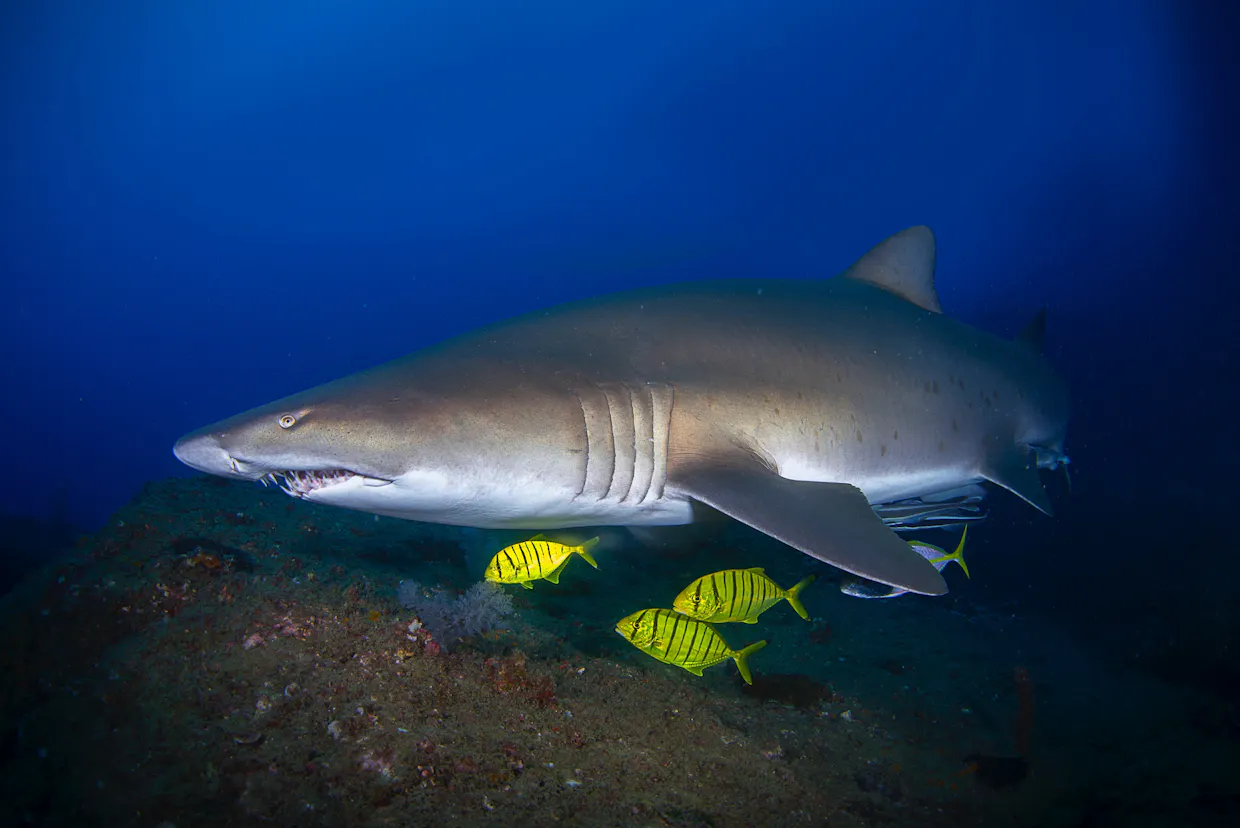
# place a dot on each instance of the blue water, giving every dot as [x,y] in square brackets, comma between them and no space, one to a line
[206,205]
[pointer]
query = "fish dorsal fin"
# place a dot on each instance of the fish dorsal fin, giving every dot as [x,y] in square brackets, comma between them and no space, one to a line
[902,264]
[1034,334]
[756,569]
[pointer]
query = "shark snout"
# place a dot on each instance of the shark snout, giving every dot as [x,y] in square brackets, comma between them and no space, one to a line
[204,453]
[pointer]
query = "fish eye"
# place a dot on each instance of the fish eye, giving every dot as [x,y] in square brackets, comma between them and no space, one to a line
[288,421]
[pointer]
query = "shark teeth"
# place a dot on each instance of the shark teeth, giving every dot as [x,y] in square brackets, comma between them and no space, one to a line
[302,483]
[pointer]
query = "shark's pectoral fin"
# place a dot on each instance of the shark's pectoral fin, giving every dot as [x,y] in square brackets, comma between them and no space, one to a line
[1016,469]
[832,522]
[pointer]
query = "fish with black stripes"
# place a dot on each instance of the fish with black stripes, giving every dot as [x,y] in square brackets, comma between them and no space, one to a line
[538,558]
[675,638]
[737,595]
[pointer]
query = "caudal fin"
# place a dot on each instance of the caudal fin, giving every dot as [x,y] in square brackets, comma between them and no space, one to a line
[584,551]
[958,555]
[793,596]
[742,659]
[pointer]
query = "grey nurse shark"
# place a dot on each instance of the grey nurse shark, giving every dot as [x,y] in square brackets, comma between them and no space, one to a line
[795,406]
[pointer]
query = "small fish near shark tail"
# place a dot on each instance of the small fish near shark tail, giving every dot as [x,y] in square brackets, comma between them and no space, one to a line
[944,510]
[1053,460]
[938,558]
[957,556]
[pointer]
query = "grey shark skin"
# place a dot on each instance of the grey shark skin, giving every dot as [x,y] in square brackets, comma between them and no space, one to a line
[790,405]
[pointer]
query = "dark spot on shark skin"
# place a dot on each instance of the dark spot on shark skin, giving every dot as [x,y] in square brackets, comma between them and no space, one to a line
[995,394]
[859,440]
[955,425]
[895,435]
[962,384]
[883,451]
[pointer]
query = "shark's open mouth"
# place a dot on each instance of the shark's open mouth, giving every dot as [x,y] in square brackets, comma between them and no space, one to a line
[302,483]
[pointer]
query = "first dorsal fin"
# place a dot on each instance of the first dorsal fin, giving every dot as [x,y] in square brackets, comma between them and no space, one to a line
[902,264]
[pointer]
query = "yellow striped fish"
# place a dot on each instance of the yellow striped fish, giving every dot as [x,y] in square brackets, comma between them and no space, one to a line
[737,595]
[677,639]
[535,558]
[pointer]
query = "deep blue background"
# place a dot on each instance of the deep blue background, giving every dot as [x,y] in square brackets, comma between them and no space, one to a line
[208,205]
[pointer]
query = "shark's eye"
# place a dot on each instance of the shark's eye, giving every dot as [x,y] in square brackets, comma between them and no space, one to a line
[288,421]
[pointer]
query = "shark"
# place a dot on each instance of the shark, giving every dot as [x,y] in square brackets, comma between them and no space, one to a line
[797,406]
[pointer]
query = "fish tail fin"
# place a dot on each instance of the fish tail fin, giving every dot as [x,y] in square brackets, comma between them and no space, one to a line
[741,657]
[793,596]
[958,555]
[584,551]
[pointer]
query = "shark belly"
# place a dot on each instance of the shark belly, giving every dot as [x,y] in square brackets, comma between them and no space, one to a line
[433,499]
